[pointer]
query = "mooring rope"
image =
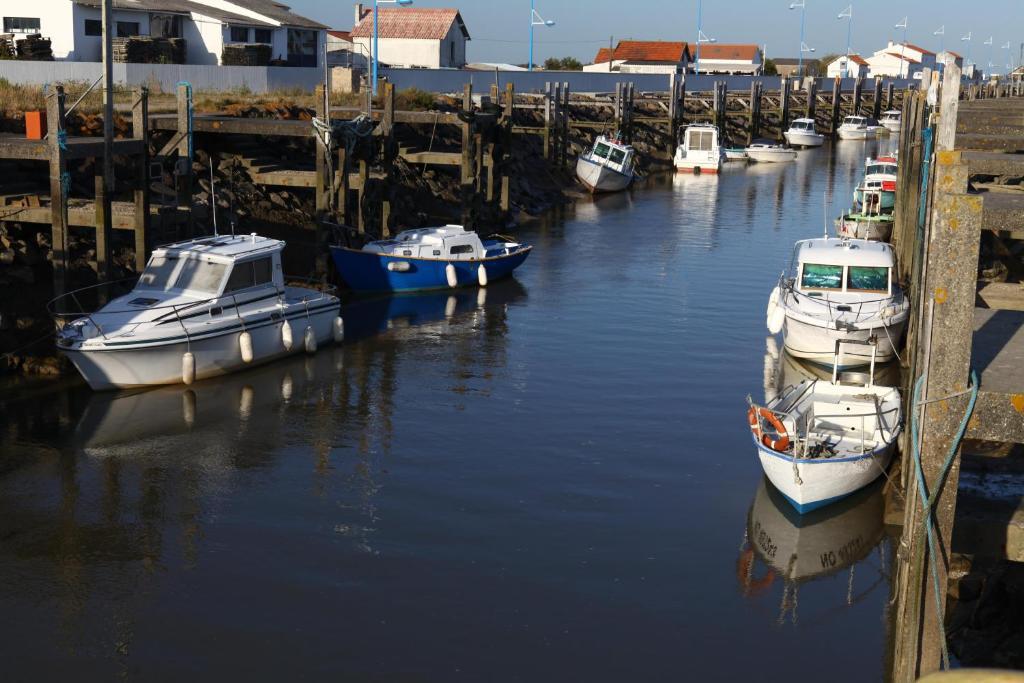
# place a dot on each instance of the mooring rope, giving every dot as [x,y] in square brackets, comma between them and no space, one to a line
[927,501]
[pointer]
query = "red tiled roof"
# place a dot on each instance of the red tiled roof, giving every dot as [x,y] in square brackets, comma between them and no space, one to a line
[904,57]
[645,51]
[734,53]
[955,54]
[919,49]
[857,59]
[412,22]
[343,35]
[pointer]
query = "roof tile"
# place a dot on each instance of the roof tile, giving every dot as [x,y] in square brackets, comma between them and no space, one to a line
[425,23]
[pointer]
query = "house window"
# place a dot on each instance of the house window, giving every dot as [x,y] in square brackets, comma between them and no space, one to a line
[21,25]
[301,47]
[263,35]
[127,29]
[239,34]
[165,25]
[93,27]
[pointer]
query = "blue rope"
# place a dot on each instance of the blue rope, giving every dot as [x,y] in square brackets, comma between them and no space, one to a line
[927,501]
[65,184]
[926,137]
[62,139]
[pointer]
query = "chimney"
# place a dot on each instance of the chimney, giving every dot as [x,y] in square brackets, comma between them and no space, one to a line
[359,13]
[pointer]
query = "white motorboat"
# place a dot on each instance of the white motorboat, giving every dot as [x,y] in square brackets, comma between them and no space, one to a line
[736,154]
[868,223]
[820,441]
[765,152]
[700,151]
[879,182]
[839,290]
[201,308]
[802,133]
[892,120]
[857,128]
[607,166]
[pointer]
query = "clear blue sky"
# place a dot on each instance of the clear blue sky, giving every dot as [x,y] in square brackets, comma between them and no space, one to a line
[500,28]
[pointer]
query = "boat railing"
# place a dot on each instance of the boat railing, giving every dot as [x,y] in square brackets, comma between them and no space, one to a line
[834,308]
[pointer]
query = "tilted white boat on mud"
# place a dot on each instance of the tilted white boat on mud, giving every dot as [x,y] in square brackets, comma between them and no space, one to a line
[202,308]
[607,166]
[839,290]
[820,441]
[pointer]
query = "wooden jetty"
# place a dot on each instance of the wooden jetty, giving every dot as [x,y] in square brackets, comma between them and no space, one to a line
[959,324]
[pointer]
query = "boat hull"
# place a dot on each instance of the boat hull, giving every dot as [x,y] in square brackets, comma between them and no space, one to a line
[888,198]
[771,156]
[876,228]
[158,363]
[818,343]
[820,481]
[598,178]
[892,126]
[856,134]
[804,139]
[366,271]
[736,155]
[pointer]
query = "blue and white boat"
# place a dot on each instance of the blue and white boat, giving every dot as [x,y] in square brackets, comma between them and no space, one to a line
[607,166]
[820,441]
[428,258]
[878,185]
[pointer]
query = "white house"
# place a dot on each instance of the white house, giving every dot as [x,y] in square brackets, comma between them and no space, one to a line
[717,58]
[642,56]
[900,60]
[948,56]
[74,27]
[430,38]
[855,67]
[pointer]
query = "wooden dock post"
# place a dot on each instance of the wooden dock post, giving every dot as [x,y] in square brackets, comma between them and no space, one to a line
[103,221]
[506,145]
[876,105]
[673,107]
[140,131]
[324,186]
[563,111]
[341,185]
[390,151]
[946,301]
[812,98]
[58,198]
[888,95]
[719,106]
[836,102]
[183,168]
[466,179]
[364,178]
[784,87]
[754,112]
[858,88]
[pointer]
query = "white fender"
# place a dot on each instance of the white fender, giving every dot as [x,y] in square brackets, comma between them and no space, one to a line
[245,400]
[286,336]
[481,275]
[188,407]
[245,344]
[188,368]
[776,316]
[309,339]
[398,266]
[449,273]
[338,330]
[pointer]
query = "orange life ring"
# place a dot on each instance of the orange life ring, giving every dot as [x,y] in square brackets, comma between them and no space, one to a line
[781,443]
[744,571]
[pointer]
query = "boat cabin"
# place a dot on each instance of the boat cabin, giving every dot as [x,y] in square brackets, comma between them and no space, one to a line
[613,153]
[210,267]
[855,122]
[700,143]
[449,242]
[802,126]
[826,266]
[881,166]
[893,115]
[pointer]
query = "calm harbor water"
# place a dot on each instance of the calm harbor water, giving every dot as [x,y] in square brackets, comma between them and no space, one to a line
[551,479]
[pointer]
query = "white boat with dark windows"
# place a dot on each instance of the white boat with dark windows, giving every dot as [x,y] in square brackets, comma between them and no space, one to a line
[765,152]
[820,441]
[892,120]
[202,308]
[700,150]
[802,133]
[736,154]
[839,290]
[857,128]
[607,166]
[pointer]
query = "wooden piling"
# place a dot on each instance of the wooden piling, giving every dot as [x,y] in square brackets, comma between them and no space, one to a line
[389,152]
[784,86]
[466,179]
[140,131]
[183,168]
[754,112]
[55,105]
[836,103]
[812,98]
[563,134]
[858,88]
[876,104]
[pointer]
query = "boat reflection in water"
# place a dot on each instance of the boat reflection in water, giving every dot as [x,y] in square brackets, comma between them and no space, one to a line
[789,549]
[782,370]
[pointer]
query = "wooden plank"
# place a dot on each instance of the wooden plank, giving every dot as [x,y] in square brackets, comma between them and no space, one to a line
[236,125]
[22,149]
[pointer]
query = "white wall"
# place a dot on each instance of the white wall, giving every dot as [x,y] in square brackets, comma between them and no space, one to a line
[405,51]
[90,48]
[835,68]
[203,38]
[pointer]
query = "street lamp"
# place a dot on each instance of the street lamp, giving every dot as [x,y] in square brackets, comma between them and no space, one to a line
[847,14]
[967,56]
[903,45]
[941,33]
[701,38]
[802,4]
[538,20]
[989,43]
[403,3]
[1009,55]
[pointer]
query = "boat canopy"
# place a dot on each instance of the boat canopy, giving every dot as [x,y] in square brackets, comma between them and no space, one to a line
[855,121]
[891,115]
[212,266]
[802,124]
[837,251]
[438,242]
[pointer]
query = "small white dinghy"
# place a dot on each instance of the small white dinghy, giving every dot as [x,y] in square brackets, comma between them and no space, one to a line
[765,152]
[700,151]
[802,133]
[202,308]
[736,154]
[607,166]
[839,290]
[819,441]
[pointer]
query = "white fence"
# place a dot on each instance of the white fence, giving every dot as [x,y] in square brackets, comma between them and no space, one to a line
[257,79]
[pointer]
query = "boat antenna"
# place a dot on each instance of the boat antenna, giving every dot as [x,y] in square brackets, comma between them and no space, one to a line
[213,198]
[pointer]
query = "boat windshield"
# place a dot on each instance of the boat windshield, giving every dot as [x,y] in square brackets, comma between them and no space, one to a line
[867,279]
[700,140]
[821,276]
[601,150]
[157,274]
[617,156]
[875,169]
